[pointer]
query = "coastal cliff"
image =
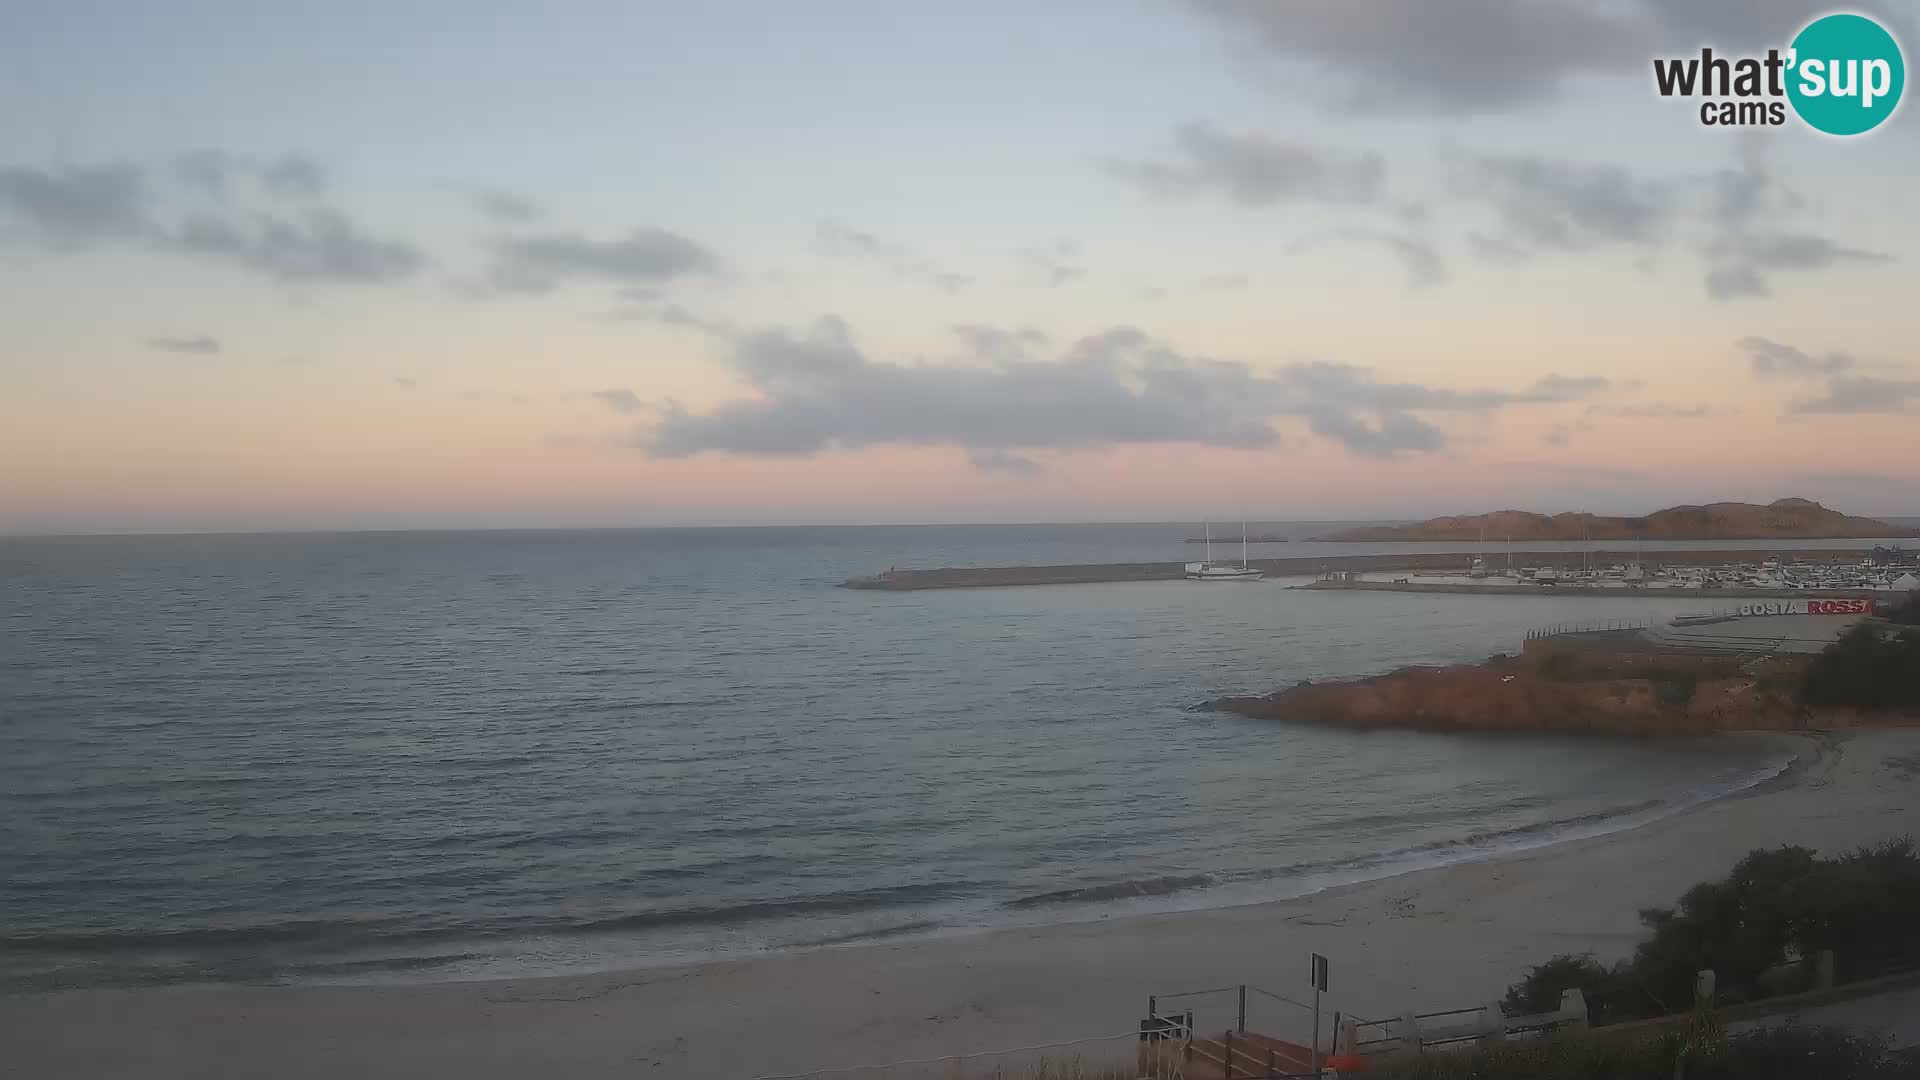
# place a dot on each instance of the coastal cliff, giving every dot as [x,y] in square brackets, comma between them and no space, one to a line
[1782,519]
[1554,690]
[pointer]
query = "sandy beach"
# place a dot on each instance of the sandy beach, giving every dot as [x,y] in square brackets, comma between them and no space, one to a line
[1433,939]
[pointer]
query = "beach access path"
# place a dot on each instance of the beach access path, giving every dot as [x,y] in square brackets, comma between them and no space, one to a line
[1435,939]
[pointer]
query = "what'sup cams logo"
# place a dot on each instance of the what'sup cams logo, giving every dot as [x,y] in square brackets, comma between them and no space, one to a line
[1842,74]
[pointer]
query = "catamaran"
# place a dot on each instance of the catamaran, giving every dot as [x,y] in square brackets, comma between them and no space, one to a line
[1208,570]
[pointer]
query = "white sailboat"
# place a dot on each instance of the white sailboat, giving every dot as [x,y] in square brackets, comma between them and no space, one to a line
[1208,570]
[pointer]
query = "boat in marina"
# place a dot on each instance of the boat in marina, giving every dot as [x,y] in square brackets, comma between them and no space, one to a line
[1208,570]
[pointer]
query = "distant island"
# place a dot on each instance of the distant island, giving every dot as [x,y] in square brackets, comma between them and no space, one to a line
[1782,519]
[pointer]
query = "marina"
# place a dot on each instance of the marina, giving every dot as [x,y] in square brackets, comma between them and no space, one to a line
[1708,573]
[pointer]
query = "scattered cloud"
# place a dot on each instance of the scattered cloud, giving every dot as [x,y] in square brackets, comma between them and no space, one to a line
[1558,435]
[1742,24]
[819,391]
[1846,391]
[1655,410]
[1547,205]
[221,175]
[1254,170]
[1749,213]
[540,262]
[321,245]
[1773,358]
[406,382]
[1054,263]
[998,343]
[619,399]
[1420,56]
[505,206]
[1860,394]
[1004,461]
[1744,259]
[261,215]
[1388,434]
[198,344]
[78,205]
[1422,262]
[839,240]
[650,309]
[1464,56]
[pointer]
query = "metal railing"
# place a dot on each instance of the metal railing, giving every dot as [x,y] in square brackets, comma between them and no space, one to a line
[1590,627]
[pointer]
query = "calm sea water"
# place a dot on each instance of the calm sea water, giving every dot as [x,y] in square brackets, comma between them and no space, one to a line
[428,756]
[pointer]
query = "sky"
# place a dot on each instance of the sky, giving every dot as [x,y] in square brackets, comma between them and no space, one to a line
[269,266]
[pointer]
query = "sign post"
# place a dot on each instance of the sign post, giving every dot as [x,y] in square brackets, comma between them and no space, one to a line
[1319,987]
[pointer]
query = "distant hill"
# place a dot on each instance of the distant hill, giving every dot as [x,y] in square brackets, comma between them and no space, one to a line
[1783,519]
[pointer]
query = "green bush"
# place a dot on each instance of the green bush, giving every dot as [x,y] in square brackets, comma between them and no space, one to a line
[1784,1053]
[1907,611]
[1676,690]
[1539,990]
[1776,906]
[1866,668]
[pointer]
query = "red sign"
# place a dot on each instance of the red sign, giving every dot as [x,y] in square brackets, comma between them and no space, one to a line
[1853,606]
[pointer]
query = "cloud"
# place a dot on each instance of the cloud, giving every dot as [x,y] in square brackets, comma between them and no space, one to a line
[1861,394]
[1773,358]
[839,240]
[262,215]
[1004,461]
[1548,205]
[997,343]
[79,205]
[540,262]
[321,245]
[219,174]
[1054,264]
[1558,388]
[1744,259]
[1742,24]
[1462,56]
[1846,391]
[1655,410]
[1749,213]
[819,391]
[645,308]
[1254,170]
[201,344]
[1423,264]
[1421,56]
[505,206]
[1732,282]
[1558,435]
[406,382]
[619,399]
[1391,433]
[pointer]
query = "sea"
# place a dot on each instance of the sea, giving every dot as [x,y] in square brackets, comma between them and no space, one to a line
[436,756]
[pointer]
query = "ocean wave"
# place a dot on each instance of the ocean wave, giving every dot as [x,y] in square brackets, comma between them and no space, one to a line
[1316,876]
[845,902]
[1120,890]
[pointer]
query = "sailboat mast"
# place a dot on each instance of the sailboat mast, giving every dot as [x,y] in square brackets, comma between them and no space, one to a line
[1243,545]
[1209,541]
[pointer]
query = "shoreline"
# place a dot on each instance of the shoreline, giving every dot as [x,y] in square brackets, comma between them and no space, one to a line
[983,577]
[1427,938]
[1136,898]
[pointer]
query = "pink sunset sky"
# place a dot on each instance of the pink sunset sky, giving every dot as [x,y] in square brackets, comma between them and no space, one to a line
[1159,260]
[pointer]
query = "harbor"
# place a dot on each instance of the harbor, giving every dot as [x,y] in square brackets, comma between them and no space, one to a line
[1729,573]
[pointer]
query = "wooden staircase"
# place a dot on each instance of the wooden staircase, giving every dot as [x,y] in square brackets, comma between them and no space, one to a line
[1232,1055]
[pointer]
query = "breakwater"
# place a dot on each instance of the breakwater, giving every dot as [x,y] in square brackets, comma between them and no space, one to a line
[979,577]
[1504,588]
